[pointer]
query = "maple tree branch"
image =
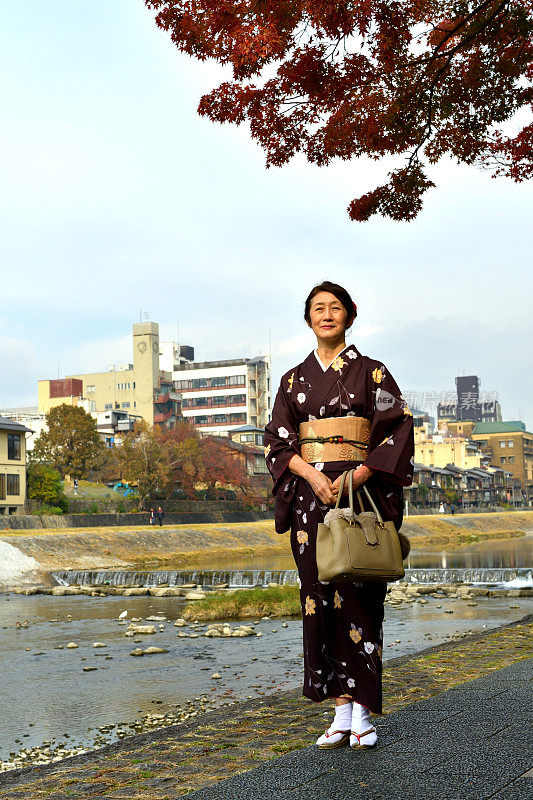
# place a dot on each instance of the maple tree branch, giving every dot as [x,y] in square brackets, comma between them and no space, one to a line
[428,126]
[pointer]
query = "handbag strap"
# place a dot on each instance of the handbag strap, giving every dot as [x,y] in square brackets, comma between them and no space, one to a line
[374,506]
[349,475]
[350,493]
[341,488]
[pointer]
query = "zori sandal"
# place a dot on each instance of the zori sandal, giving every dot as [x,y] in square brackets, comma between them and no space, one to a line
[358,736]
[332,738]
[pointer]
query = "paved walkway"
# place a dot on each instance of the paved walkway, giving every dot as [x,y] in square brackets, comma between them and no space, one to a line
[457,726]
[471,743]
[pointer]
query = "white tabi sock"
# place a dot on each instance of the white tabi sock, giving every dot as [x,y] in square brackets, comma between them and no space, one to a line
[341,722]
[360,724]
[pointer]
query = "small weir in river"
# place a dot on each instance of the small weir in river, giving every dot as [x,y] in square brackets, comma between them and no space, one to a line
[520,577]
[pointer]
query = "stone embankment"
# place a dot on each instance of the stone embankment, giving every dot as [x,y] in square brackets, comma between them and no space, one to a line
[398,593]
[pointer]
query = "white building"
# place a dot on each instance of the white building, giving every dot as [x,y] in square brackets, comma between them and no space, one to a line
[219,396]
[110,424]
[31,419]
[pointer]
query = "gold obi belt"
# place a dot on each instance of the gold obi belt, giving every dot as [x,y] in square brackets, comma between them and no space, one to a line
[334,439]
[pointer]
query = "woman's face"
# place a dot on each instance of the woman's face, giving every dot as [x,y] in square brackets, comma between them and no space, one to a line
[328,317]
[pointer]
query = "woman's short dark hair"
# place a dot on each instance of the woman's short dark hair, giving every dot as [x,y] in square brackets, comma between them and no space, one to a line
[340,293]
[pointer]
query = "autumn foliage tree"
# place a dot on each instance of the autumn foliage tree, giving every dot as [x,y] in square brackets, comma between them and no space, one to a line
[161,460]
[221,465]
[148,457]
[415,79]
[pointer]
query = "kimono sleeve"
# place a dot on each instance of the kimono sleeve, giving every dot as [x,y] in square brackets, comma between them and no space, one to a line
[391,445]
[281,439]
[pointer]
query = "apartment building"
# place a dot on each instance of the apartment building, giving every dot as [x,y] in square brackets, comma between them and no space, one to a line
[219,396]
[140,388]
[510,447]
[12,466]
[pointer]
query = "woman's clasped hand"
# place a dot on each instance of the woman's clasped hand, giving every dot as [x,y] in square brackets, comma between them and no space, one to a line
[327,490]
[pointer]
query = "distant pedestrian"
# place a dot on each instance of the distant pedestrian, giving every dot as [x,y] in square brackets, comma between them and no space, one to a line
[441,508]
[152,516]
[160,515]
[76,484]
[453,509]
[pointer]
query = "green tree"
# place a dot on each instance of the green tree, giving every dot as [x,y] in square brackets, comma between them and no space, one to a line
[71,445]
[45,485]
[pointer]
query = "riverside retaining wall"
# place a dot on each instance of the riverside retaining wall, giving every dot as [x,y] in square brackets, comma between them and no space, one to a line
[196,514]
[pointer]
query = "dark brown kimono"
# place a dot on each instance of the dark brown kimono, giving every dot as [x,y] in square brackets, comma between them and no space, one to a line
[342,622]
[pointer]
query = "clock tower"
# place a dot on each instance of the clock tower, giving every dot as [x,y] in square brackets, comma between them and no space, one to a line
[146,367]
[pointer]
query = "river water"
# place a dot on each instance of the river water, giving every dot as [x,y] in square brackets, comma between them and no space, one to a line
[46,695]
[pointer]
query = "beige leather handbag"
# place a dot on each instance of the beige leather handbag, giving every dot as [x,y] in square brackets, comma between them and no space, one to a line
[357,547]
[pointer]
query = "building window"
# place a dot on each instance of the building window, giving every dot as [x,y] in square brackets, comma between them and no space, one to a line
[13,446]
[200,420]
[510,443]
[247,437]
[502,459]
[2,487]
[510,459]
[134,384]
[13,484]
[220,419]
[125,405]
[502,444]
[107,406]
[218,382]
[259,438]
[236,380]
[91,389]
[134,404]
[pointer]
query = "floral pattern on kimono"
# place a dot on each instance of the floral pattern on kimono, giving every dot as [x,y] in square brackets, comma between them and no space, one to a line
[342,622]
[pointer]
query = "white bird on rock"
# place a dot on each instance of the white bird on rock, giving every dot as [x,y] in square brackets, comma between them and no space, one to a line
[123,615]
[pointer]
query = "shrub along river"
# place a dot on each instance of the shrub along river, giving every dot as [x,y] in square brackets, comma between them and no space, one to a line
[61,700]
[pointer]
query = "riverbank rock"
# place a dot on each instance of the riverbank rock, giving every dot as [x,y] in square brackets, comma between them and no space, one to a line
[244,630]
[99,644]
[168,591]
[223,629]
[196,594]
[133,630]
[147,651]
[71,645]
[135,591]
[180,623]
[59,591]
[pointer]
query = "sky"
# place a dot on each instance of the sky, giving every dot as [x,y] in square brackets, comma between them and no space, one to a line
[118,198]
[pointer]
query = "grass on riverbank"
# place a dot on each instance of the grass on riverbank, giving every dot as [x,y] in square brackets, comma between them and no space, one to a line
[454,539]
[274,601]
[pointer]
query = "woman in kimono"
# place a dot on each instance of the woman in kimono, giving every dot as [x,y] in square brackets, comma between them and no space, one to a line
[342,622]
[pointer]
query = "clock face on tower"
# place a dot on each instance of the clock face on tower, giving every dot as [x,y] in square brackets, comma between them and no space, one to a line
[141,347]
